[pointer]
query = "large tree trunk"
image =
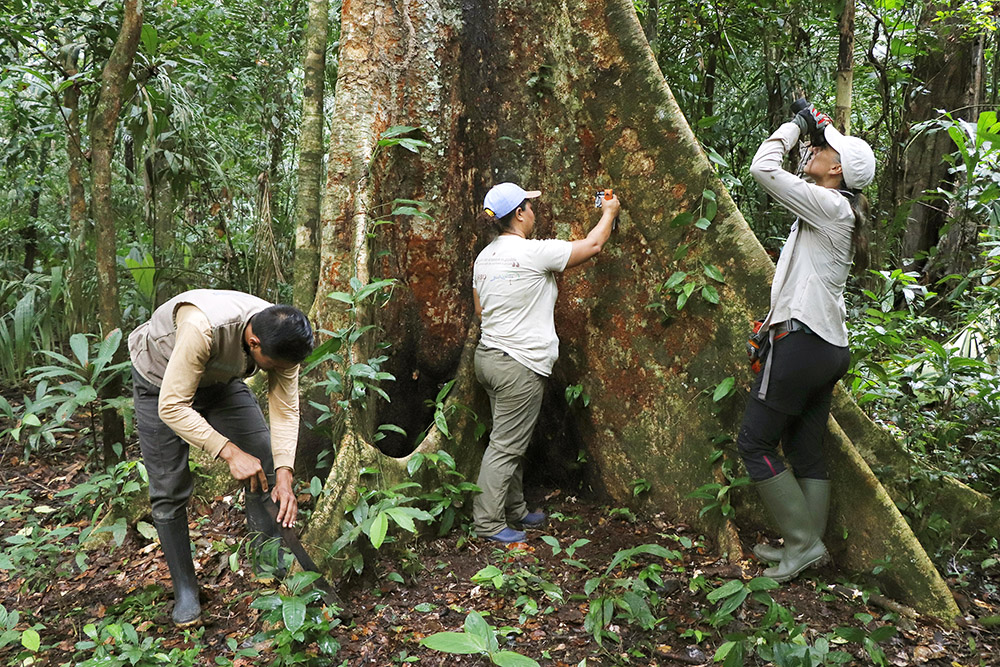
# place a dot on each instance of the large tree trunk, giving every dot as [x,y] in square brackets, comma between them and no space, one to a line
[310,176]
[113,78]
[945,76]
[563,97]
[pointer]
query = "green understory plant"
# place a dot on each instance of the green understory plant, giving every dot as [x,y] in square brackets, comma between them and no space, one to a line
[717,495]
[300,627]
[29,638]
[371,516]
[477,638]
[450,496]
[84,377]
[119,644]
[29,424]
[628,599]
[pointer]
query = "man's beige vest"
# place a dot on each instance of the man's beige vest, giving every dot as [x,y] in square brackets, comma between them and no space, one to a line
[152,342]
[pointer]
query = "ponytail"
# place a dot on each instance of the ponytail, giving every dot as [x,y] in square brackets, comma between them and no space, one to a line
[860,236]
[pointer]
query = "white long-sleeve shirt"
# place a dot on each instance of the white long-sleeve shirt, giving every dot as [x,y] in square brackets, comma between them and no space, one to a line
[816,259]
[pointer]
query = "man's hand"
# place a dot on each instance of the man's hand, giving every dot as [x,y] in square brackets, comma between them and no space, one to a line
[244,467]
[284,498]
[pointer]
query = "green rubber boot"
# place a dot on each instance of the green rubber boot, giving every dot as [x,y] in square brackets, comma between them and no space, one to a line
[176,544]
[803,546]
[817,493]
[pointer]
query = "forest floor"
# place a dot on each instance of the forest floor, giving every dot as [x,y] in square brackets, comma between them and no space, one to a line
[427,587]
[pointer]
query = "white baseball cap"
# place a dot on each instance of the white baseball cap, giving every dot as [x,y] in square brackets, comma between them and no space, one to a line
[856,158]
[505,197]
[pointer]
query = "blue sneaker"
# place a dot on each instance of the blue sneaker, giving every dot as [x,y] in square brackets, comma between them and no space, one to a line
[533,519]
[508,536]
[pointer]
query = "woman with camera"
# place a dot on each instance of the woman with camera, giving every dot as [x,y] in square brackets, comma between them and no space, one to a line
[514,290]
[807,335]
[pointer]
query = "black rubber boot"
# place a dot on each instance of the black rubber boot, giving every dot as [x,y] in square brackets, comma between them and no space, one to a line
[267,554]
[176,545]
[817,493]
[803,546]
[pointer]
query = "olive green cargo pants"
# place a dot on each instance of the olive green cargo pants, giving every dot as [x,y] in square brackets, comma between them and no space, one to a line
[515,393]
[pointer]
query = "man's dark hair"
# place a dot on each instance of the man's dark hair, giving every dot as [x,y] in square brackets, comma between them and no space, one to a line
[284,333]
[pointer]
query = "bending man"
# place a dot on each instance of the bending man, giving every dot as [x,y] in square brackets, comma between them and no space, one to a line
[188,365]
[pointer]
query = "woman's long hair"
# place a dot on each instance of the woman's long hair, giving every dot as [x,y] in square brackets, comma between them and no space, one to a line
[862,226]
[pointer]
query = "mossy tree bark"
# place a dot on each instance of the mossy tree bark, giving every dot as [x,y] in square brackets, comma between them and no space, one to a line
[562,97]
[105,123]
[76,192]
[310,173]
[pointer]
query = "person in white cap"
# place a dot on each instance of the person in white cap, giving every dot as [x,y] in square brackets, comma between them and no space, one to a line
[514,291]
[807,352]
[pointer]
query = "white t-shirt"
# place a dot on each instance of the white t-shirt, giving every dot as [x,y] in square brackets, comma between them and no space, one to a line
[517,291]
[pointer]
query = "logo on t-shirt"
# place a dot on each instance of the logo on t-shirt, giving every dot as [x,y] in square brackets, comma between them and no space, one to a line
[515,264]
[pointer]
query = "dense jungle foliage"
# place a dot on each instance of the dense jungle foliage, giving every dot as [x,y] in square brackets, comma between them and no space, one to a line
[204,180]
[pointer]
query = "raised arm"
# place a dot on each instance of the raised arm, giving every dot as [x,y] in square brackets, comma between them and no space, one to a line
[585,248]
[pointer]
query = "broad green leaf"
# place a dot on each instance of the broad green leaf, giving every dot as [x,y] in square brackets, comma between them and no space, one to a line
[882,633]
[727,589]
[379,527]
[293,613]
[850,634]
[146,530]
[674,280]
[30,640]
[476,626]
[715,273]
[81,348]
[763,584]
[512,659]
[441,422]
[724,389]
[731,603]
[395,131]
[453,642]
[683,219]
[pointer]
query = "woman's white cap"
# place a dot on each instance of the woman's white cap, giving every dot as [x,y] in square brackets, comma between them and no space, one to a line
[856,158]
[505,197]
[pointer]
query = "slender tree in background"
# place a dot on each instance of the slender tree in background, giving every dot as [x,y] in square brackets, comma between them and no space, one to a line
[310,173]
[105,122]
[845,69]
[76,192]
[30,230]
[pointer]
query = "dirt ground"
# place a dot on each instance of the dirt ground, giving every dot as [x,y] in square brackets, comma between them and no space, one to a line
[427,587]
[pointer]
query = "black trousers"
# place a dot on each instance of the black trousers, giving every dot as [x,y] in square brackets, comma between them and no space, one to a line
[804,371]
[230,408]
